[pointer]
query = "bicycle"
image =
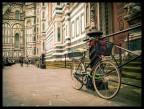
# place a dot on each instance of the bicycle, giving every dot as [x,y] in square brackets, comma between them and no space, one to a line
[105,75]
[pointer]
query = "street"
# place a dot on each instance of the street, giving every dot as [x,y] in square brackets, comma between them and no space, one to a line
[32,86]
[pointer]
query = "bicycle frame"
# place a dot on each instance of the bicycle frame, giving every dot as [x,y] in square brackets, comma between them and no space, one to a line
[101,73]
[82,60]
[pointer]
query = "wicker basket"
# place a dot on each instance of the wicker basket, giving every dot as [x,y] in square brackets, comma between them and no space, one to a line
[108,50]
[75,54]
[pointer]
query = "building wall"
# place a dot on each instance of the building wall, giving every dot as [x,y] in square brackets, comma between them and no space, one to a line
[59,40]
[65,27]
[38,30]
[23,27]
[30,29]
[13,29]
[119,24]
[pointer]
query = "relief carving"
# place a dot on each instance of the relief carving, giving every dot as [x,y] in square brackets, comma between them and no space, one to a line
[92,16]
[132,8]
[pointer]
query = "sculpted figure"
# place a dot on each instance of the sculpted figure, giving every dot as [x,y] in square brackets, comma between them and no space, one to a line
[132,8]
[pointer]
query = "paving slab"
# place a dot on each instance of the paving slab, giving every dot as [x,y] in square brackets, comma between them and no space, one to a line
[32,86]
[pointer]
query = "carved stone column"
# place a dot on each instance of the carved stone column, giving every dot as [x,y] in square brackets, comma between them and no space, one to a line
[92,16]
[93,32]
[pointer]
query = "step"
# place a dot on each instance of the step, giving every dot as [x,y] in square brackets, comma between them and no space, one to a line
[59,64]
[133,64]
[54,67]
[131,81]
[134,69]
[56,63]
[132,75]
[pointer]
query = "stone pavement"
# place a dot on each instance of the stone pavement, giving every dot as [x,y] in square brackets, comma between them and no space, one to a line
[32,86]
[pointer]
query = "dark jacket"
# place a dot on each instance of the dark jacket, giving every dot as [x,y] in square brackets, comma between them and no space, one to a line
[20,60]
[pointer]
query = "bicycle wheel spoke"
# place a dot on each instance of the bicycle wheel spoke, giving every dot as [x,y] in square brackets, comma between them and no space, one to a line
[76,75]
[108,84]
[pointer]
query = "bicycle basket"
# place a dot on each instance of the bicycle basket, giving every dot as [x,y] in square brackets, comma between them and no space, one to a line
[108,50]
[75,54]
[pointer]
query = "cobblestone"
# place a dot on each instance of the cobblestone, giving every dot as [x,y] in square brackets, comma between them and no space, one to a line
[32,86]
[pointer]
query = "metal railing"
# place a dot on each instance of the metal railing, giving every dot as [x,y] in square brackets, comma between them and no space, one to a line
[120,52]
[121,31]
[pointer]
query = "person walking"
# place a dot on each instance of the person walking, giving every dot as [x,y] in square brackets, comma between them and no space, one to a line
[21,61]
[27,61]
[3,63]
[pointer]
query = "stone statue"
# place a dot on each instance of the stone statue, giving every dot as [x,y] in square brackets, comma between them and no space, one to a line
[136,9]
[132,8]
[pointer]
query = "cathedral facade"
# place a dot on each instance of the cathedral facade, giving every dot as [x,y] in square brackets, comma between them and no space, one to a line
[56,28]
[19,36]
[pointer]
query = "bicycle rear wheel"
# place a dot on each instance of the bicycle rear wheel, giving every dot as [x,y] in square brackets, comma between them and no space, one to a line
[76,74]
[106,79]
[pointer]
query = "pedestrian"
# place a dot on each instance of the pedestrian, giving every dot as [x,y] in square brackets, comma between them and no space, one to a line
[21,61]
[27,61]
[3,63]
[7,63]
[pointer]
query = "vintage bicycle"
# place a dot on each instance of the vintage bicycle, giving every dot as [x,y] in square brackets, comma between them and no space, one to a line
[104,76]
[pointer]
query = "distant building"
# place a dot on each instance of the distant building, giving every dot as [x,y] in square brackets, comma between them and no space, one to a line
[19,36]
[56,28]
[66,29]
[112,17]
[13,29]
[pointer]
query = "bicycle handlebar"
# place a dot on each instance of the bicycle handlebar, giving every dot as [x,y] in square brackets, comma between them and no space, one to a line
[89,39]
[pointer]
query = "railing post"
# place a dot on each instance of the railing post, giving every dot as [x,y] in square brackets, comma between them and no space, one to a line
[65,60]
[120,59]
[128,44]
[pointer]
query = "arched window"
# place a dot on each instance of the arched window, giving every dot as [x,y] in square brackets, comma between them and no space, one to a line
[43,3]
[43,26]
[16,40]
[43,45]
[43,14]
[17,37]
[28,28]
[17,15]
[37,29]
[58,34]
[37,20]
[6,32]
[58,3]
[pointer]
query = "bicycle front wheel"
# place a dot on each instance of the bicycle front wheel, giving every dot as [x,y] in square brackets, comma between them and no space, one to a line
[76,74]
[106,79]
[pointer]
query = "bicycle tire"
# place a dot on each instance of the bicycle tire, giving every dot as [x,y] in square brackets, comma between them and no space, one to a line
[108,85]
[77,79]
